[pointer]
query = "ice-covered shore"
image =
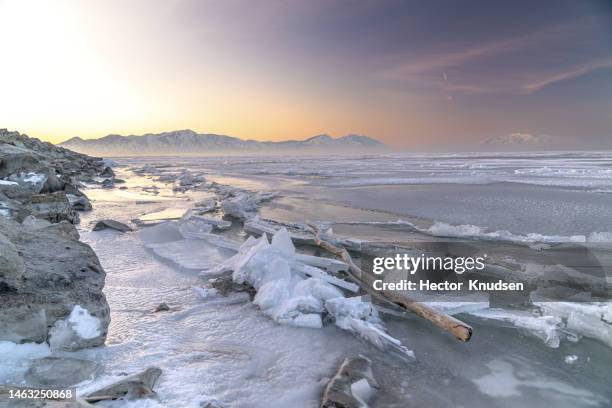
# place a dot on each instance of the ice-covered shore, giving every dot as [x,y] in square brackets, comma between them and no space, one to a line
[235,351]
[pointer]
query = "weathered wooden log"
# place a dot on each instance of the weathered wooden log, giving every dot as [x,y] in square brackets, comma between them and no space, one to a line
[459,329]
[339,391]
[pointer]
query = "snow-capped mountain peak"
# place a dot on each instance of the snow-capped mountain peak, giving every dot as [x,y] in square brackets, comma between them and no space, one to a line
[190,142]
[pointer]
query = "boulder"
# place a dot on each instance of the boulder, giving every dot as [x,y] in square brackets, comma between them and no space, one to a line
[112,224]
[63,228]
[12,190]
[53,207]
[58,273]
[80,203]
[17,159]
[108,183]
[11,266]
[52,183]
[107,172]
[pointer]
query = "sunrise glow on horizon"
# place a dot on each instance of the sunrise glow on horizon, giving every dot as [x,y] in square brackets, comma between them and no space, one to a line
[407,73]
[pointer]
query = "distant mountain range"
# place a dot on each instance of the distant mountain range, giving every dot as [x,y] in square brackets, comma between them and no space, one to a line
[526,139]
[190,142]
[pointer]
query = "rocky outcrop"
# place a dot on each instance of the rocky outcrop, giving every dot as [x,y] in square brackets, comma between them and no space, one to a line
[50,282]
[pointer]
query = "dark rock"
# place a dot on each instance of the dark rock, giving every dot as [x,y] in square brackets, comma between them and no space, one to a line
[25,322]
[45,272]
[52,184]
[17,159]
[107,172]
[108,183]
[225,285]
[15,192]
[162,307]
[63,228]
[112,224]
[11,265]
[81,203]
[135,386]
[53,207]
[59,273]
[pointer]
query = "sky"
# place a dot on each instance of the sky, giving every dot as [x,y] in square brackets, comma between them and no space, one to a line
[409,73]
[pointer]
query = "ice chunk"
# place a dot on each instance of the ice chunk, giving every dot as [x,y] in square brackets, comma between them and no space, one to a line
[166,231]
[351,307]
[586,319]
[80,325]
[571,359]
[216,223]
[35,181]
[590,325]
[316,288]
[318,273]
[453,308]
[206,293]
[605,237]
[8,183]
[281,241]
[190,253]
[205,206]
[285,295]
[546,328]
[312,321]
[232,264]
[242,206]
[84,324]
[193,228]
[362,391]
[272,294]
[331,265]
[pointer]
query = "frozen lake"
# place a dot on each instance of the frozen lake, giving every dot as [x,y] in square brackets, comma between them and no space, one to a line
[547,193]
[228,349]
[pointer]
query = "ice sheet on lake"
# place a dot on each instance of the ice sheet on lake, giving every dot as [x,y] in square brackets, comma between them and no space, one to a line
[16,358]
[179,243]
[546,328]
[553,322]
[295,300]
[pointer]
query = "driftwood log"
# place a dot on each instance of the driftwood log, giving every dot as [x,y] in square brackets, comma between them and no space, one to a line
[339,392]
[459,329]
